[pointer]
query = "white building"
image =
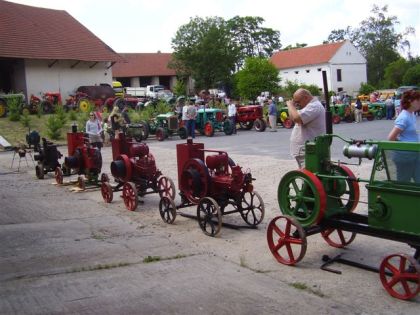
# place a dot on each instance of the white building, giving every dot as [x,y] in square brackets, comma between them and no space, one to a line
[44,50]
[343,63]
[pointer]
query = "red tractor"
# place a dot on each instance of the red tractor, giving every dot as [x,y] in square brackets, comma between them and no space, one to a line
[47,103]
[82,159]
[215,185]
[251,116]
[134,169]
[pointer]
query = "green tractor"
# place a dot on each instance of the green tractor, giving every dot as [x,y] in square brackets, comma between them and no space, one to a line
[165,125]
[6,99]
[210,120]
[378,109]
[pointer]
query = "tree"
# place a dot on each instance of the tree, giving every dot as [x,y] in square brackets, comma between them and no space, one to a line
[394,72]
[257,75]
[366,88]
[412,76]
[377,39]
[298,45]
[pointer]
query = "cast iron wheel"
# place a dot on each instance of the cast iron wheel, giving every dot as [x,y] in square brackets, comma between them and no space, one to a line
[400,276]
[106,191]
[3,108]
[246,125]
[345,191]
[183,132]
[259,125]
[379,115]
[209,216]
[47,107]
[160,134]
[195,180]
[336,119]
[104,178]
[166,187]
[130,196]
[167,210]
[286,239]
[83,104]
[209,129]
[370,116]
[146,129]
[81,182]
[58,175]
[228,127]
[252,208]
[39,170]
[288,123]
[337,237]
[66,170]
[302,196]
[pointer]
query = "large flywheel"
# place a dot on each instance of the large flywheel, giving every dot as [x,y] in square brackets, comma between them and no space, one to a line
[302,196]
[195,180]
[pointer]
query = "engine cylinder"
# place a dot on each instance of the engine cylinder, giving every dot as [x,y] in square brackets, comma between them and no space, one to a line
[72,162]
[139,150]
[360,151]
[118,169]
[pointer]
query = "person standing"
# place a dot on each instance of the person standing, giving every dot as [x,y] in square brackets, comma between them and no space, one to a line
[94,130]
[272,115]
[232,115]
[407,163]
[309,122]
[115,120]
[184,114]
[358,111]
[191,116]
[389,107]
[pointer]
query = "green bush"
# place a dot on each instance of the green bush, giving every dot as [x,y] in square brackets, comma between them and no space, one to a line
[412,76]
[72,115]
[13,105]
[61,114]
[25,119]
[54,125]
[366,88]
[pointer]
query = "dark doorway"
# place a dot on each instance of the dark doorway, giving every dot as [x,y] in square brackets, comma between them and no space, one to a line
[6,74]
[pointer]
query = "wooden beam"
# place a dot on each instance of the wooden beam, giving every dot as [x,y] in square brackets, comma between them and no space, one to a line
[53,63]
[93,64]
[75,64]
[112,63]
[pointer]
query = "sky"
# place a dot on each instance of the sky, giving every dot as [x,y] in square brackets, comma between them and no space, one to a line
[148,26]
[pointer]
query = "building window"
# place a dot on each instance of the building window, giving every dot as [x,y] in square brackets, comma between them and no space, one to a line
[340,89]
[338,75]
[319,69]
[296,72]
[286,72]
[307,71]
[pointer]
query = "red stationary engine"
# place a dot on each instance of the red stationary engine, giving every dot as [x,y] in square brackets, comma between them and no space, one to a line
[134,169]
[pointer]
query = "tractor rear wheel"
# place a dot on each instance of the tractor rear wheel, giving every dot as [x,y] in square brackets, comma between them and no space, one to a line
[370,116]
[400,276]
[286,239]
[260,125]
[228,127]
[130,196]
[160,134]
[106,191]
[146,130]
[3,108]
[252,208]
[167,210]
[302,196]
[209,216]
[83,104]
[209,129]
[183,132]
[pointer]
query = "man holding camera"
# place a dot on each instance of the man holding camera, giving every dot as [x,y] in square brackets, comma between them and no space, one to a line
[308,114]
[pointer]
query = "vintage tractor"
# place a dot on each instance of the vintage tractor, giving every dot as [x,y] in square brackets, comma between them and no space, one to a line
[82,159]
[378,109]
[284,119]
[321,198]
[165,125]
[47,103]
[215,185]
[367,112]
[251,116]
[211,119]
[342,112]
[135,172]
[47,158]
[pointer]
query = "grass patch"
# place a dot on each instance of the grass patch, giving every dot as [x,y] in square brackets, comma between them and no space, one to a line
[150,259]
[304,287]
[100,267]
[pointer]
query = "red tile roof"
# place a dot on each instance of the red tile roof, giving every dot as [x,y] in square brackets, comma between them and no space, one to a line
[38,33]
[305,56]
[143,64]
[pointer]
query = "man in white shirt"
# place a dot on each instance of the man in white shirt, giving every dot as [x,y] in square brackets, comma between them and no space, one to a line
[232,115]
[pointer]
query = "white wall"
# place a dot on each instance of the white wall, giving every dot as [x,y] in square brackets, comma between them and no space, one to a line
[60,77]
[135,82]
[306,75]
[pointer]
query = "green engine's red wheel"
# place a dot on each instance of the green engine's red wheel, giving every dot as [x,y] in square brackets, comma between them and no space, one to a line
[337,237]
[400,276]
[302,196]
[195,180]
[106,191]
[209,216]
[130,196]
[166,187]
[167,209]
[58,175]
[286,239]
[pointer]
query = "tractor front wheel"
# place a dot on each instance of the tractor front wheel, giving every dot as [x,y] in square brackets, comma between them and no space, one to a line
[160,134]
[260,125]
[209,129]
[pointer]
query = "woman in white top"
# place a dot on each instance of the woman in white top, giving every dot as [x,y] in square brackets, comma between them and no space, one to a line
[94,129]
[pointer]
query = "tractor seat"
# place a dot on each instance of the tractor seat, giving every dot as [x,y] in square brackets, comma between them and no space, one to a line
[217,162]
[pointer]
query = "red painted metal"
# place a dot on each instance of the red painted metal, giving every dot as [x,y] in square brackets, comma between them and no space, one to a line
[186,151]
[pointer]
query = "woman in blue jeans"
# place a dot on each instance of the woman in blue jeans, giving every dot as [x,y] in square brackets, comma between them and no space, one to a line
[407,163]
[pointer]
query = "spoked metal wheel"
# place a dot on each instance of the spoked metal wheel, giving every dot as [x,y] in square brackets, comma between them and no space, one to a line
[209,216]
[338,238]
[302,196]
[39,170]
[81,182]
[106,191]
[400,276]
[58,175]
[286,239]
[104,177]
[252,208]
[167,209]
[130,196]
[166,187]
